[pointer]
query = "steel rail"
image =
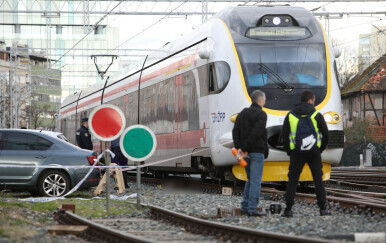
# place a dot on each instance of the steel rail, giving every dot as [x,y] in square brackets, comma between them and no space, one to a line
[95,231]
[348,203]
[225,231]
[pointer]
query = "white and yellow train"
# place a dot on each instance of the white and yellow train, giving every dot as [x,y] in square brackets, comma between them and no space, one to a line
[192,89]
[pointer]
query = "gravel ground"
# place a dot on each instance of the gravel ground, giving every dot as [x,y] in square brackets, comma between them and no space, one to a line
[306,220]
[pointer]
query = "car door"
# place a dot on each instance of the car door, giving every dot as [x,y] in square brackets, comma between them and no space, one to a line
[22,149]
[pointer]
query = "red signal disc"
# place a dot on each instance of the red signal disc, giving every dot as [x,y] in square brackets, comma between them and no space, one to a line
[107,122]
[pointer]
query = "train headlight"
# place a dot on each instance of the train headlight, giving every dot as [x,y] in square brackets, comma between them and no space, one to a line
[332,117]
[233,118]
[276,21]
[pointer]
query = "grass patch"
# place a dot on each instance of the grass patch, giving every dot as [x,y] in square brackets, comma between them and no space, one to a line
[18,218]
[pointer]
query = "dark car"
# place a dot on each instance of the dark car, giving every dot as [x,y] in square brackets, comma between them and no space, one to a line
[23,147]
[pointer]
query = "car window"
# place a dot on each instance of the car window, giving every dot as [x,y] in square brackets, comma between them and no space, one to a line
[24,141]
[61,136]
[42,144]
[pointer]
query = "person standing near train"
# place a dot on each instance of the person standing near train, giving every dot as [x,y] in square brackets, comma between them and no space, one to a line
[83,136]
[305,136]
[119,158]
[250,138]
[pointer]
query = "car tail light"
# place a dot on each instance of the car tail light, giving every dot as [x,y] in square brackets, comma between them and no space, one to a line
[91,159]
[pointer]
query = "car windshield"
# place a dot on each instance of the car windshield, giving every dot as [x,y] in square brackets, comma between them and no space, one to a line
[298,66]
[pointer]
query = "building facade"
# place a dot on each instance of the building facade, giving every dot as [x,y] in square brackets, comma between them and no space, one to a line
[30,92]
[371,46]
[57,34]
[364,97]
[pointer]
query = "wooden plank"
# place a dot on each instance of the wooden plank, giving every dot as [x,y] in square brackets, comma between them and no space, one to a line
[120,184]
[67,229]
[226,212]
[101,186]
[118,178]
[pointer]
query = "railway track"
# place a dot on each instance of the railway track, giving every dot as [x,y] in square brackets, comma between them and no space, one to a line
[346,200]
[193,229]
[360,178]
[163,225]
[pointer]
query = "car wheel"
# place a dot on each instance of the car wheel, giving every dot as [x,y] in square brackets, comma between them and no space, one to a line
[53,183]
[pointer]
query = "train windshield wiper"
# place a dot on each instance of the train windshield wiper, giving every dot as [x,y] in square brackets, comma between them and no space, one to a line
[276,78]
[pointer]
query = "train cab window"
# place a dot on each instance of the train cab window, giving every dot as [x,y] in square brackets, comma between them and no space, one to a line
[214,77]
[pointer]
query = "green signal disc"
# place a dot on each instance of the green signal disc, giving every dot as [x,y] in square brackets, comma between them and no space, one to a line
[138,143]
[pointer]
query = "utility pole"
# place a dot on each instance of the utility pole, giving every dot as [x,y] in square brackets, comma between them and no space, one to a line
[12,81]
[204,10]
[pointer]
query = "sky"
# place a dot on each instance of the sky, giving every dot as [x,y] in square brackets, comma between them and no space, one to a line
[345,30]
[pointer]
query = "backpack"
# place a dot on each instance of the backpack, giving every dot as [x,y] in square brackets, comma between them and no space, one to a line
[306,137]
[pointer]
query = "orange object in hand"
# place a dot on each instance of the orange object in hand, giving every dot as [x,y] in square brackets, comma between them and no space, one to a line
[237,155]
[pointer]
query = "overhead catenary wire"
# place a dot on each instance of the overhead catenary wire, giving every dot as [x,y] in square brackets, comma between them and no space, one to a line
[344,43]
[139,33]
[94,27]
[350,26]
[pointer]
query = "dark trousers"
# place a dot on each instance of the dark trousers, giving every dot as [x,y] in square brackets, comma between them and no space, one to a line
[297,161]
[121,160]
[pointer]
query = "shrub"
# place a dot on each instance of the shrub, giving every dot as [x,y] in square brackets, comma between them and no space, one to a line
[359,132]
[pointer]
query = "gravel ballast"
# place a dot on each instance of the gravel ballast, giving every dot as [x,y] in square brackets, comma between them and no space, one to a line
[306,220]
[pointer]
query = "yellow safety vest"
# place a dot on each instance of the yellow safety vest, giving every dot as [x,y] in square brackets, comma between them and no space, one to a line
[293,121]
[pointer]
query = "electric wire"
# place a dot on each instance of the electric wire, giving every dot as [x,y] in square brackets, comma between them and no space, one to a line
[94,27]
[139,33]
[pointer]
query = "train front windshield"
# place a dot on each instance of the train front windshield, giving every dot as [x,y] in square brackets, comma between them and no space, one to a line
[283,72]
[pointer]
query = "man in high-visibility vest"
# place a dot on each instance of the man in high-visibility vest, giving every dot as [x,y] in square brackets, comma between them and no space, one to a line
[305,136]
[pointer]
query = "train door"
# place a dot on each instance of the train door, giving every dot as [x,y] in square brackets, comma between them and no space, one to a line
[178,115]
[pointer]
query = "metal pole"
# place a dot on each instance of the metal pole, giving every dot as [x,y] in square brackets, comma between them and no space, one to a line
[1,100]
[107,161]
[138,186]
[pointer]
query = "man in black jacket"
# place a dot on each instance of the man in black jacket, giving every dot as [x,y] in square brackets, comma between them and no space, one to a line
[250,138]
[301,154]
[83,136]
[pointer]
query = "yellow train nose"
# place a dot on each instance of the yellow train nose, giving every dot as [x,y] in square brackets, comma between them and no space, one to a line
[278,171]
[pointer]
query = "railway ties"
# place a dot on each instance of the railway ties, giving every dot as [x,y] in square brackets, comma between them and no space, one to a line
[163,225]
[152,229]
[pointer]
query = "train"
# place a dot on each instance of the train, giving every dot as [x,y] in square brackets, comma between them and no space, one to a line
[190,91]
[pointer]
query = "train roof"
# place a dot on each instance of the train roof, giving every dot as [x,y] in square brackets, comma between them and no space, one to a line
[240,18]
[237,18]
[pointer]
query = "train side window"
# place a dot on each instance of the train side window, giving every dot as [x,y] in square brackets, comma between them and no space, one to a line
[223,74]
[214,77]
[203,79]
[1,141]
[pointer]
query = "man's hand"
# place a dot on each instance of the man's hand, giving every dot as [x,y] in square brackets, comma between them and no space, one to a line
[243,154]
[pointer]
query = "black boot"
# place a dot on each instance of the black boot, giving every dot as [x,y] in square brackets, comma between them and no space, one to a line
[288,213]
[324,210]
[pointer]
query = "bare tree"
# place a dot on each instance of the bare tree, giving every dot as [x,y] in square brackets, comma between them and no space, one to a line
[347,63]
[36,114]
